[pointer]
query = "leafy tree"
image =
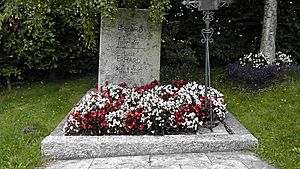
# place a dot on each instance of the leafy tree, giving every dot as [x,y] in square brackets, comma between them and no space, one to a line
[32,38]
[39,37]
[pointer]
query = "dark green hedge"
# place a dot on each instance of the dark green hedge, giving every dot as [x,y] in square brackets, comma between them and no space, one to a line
[53,43]
[237,31]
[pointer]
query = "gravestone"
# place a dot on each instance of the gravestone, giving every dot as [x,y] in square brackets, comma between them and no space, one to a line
[130,49]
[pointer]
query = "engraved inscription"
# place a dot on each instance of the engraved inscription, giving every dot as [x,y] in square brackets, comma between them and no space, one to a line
[131,49]
[128,60]
[131,27]
[128,46]
[128,42]
[125,70]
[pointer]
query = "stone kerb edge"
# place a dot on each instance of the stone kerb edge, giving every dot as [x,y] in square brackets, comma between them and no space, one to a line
[74,147]
[58,146]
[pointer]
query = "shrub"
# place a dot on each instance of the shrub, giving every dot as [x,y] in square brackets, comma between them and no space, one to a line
[151,109]
[254,71]
[57,36]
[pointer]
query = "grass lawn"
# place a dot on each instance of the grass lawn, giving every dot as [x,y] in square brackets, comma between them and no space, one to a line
[41,105]
[272,115]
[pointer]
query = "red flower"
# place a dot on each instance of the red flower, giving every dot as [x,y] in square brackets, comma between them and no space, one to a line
[97,86]
[141,127]
[202,98]
[203,115]
[173,83]
[104,124]
[94,114]
[166,96]
[108,105]
[152,84]
[179,118]
[180,83]
[185,108]
[124,85]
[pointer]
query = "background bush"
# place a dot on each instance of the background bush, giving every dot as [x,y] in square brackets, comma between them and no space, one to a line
[249,77]
[41,39]
[237,30]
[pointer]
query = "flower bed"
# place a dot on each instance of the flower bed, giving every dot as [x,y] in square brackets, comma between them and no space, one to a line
[152,109]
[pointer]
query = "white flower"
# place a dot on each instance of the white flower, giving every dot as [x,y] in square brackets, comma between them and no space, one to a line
[151,103]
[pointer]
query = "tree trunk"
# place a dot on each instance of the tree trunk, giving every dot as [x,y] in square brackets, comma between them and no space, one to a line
[8,83]
[267,46]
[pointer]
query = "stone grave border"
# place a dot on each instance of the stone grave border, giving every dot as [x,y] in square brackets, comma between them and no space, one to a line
[60,147]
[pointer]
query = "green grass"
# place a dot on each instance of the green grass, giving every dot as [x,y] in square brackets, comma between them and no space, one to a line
[41,105]
[272,115]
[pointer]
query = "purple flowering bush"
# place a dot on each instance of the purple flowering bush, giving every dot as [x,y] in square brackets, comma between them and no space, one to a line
[254,71]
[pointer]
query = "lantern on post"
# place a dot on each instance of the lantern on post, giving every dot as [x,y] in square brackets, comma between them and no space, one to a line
[207,6]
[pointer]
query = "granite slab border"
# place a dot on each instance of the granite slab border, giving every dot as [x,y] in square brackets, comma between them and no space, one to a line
[58,146]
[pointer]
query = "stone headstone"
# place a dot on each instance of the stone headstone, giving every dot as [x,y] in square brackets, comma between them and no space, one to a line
[130,49]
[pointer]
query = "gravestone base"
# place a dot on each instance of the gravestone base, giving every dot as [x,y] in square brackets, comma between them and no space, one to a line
[58,146]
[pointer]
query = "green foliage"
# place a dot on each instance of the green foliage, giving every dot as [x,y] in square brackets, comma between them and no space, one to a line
[237,30]
[271,115]
[40,105]
[158,9]
[63,36]
[55,35]
[288,34]
[8,57]
[176,50]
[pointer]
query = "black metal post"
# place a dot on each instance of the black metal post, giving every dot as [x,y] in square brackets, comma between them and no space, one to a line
[206,6]
[207,34]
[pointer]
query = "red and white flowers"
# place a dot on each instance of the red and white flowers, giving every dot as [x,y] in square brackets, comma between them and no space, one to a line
[149,109]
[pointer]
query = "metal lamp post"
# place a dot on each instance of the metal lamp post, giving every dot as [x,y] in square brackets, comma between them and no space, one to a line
[207,6]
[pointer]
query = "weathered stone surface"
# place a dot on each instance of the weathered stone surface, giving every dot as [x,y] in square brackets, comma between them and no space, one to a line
[130,49]
[228,164]
[217,160]
[249,159]
[159,167]
[74,164]
[195,159]
[235,125]
[73,147]
[58,146]
[243,156]
[258,164]
[121,162]
[218,130]
[194,167]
